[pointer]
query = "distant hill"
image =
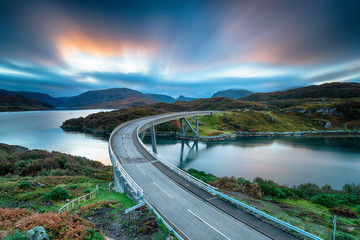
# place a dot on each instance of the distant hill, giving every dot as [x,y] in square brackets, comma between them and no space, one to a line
[162,98]
[57,102]
[327,90]
[109,98]
[232,93]
[10,103]
[185,99]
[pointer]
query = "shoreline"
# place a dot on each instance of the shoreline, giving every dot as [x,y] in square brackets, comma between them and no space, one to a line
[223,137]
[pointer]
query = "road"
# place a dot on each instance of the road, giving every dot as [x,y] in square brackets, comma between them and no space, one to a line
[190,215]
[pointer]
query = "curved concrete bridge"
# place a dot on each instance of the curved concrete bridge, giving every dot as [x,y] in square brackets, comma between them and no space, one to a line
[141,176]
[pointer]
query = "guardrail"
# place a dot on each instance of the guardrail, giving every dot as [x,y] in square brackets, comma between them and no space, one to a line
[76,202]
[212,190]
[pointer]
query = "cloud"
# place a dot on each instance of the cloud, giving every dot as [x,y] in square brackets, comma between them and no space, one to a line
[174,47]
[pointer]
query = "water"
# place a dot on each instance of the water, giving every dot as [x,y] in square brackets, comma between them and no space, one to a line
[287,160]
[41,130]
[333,161]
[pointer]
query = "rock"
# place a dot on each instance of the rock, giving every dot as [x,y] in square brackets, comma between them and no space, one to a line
[37,233]
[245,110]
[328,125]
[349,229]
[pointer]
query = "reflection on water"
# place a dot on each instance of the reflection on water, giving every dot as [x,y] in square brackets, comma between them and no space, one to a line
[286,160]
[41,130]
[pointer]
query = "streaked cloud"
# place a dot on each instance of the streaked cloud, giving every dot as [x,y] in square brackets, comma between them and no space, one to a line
[177,47]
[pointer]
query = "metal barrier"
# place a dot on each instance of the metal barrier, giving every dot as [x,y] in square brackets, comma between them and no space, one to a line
[77,201]
[212,190]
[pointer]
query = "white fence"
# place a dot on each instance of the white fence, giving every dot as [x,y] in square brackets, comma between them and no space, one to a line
[77,202]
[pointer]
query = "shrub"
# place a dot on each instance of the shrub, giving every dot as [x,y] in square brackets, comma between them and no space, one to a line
[309,189]
[269,188]
[344,236]
[57,193]
[206,177]
[327,200]
[87,191]
[94,235]
[17,235]
[24,185]
[73,187]
[352,188]
[291,193]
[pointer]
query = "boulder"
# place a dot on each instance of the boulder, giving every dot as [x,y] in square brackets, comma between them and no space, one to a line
[37,233]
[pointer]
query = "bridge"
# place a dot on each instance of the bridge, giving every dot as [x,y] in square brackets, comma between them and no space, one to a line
[187,205]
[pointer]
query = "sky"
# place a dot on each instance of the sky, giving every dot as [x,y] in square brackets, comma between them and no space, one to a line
[193,48]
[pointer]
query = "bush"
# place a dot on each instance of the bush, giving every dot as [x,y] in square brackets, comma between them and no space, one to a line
[327,200]
[73,187]
[344,236]
[24,185]
[309,189]
[87,191]
[336,200]
[94,235]
[352,188]
[57,193]
[17,235]
[206,177]
[269,188]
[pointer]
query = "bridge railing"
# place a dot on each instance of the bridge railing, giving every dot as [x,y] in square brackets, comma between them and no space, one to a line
[212,190]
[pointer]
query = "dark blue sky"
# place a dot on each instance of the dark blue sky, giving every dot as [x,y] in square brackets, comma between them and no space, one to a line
[194,48]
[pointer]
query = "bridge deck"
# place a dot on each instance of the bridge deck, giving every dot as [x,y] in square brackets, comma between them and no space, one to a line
[192,216]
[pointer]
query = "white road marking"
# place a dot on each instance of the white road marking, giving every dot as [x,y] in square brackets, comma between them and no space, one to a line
[162,190]
[141,170]
[208,224]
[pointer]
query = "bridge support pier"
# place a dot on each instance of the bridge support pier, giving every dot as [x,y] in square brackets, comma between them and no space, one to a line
[184,130]
[153,139]
[118,183]
[142,135]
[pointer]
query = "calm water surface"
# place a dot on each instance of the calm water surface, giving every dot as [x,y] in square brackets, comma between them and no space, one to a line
[333,161]
[41,130]
[296,160]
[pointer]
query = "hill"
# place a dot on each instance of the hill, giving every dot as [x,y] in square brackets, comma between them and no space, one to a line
[10,103]
[57,102]
[162,98]
[232,93]
[109,98]
[327,90]
[183,98]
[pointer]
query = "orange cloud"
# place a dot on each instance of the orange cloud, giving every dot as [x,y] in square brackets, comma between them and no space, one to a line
[73,41]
